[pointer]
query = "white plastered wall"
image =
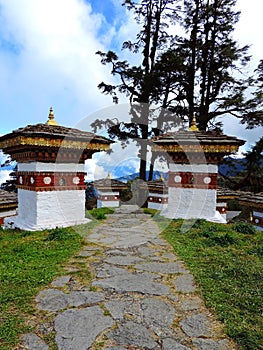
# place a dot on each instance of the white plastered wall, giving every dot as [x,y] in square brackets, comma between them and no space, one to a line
[259,215]
[51,167]
[6,213]
[189,203]
[222,205]
[197,168]
[192,203]
[51,209]
[157,206]
[107,203]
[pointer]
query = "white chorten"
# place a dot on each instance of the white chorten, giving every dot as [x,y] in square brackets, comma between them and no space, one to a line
[50,175]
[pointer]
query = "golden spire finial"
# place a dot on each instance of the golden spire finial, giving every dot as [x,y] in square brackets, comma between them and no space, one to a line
[108,176]
[193,126]
[51,118]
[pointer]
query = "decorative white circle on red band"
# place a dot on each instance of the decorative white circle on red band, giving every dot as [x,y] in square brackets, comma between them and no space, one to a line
[76,180]
[47,180]
[207,180]
[178,179]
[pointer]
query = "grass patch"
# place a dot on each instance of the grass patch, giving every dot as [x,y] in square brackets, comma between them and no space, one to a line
[99,213]
[226,261]
[28,262]
[150,211]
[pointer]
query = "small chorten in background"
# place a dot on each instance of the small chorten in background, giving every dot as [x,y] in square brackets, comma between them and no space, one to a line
[223,197]
[109,192]
[255,203]
[157,193]
[50,172]
[8,205]
[193,169]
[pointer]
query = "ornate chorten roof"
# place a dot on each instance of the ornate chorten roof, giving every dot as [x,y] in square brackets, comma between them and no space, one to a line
[25,143]
[156,186]
[227,193]
[189,145]
[187,140]
[28,133]
[252,200]
[8,200]
[109,184]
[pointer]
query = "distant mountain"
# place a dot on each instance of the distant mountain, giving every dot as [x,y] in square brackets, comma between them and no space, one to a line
[156,176]
[230,167]
[233,166]
[9,167]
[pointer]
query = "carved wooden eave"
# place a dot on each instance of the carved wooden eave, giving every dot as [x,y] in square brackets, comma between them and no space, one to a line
[8,200]
[159,186]
[224,193]
[254,201]
[43,142]
[110,184]
[184,144]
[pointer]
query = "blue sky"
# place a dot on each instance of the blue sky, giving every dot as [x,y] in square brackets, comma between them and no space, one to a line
[47,58]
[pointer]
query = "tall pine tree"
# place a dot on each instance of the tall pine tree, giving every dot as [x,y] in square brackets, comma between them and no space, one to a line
[140,82]
[203,71]
[211,70]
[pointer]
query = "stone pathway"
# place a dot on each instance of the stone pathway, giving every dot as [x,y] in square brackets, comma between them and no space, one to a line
[140,296]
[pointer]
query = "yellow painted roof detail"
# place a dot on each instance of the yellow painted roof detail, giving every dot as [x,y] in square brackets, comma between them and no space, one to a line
[193,126]
[51,118]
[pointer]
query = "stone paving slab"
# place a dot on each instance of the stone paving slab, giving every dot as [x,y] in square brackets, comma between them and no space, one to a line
[78,329]
[130,333]
[54,300]
[130,282]
[185,283]
[140,296]
[164,268]
[124,260]
[32,341]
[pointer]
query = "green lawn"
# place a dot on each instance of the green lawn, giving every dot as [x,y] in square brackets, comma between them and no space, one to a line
[28,262]
[226,263]
[228,267]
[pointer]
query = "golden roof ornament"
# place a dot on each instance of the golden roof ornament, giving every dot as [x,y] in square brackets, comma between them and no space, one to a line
[108,176]
[193,126]
[51,118]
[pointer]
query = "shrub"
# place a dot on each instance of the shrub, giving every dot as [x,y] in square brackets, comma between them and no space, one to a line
[59,234]
[150,211]
[223,240]
[245,228]
[257,251]
[233,204]
[100,213]
[100,216]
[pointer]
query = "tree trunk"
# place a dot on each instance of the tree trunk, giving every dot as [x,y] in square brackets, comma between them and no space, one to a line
[143,159]
[192,67]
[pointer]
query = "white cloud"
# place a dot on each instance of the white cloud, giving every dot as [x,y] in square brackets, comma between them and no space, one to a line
[53,61]
[4,175]
[94,171]
[47,57]
[122,161]
[247,29]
